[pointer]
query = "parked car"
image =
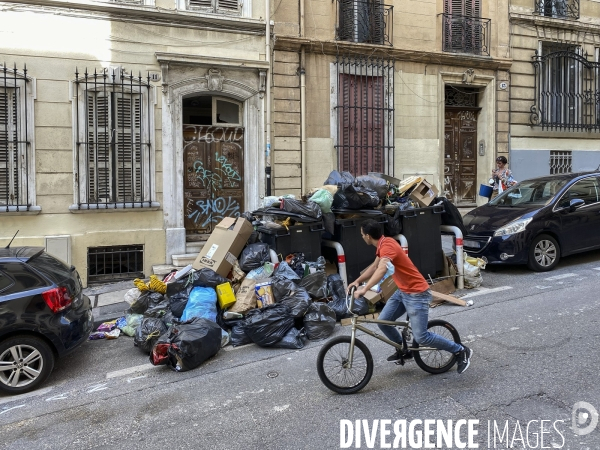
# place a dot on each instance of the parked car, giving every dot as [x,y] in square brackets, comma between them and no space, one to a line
[537,221]
[43,315]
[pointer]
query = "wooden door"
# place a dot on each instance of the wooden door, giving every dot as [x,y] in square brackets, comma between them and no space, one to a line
[214,176]
[460,156]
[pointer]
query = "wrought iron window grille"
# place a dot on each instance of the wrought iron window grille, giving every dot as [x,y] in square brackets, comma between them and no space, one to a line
[566,91]
[561,161]
[364,21]
[365,114]
[15,146]
[466,34]
[114,154]
[561,9]
[115,263]
[464,97]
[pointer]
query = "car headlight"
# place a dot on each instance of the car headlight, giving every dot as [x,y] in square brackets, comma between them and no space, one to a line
[514,227]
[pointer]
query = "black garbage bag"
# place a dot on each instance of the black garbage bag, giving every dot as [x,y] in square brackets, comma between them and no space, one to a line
[168,319]
[158,310]
[206,277]
[310,209]
[319,321]
[238,334]
[451,215]
[315,284]
[268,325]
[148,299]
[318,265]
[349,196]
[329,222]
[335,285]
[248,216]
[187,344]
[178,293]
[148,332]
[336,177]
[393,226]
[297,263]
[293,340]
[289,293]
[284,270]
[254,256]
[376,184]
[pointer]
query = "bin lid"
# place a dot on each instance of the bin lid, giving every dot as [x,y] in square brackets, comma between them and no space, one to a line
[280,213]
[363,212]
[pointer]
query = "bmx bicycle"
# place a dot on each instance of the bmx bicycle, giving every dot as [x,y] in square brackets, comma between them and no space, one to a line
[345,364]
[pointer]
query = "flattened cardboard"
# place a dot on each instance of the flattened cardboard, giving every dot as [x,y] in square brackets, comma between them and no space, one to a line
[424,193]
[438,296]
[445,286]
[388,287]
[224,245]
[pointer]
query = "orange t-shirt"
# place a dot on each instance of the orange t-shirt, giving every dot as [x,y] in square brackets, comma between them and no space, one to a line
[406,276]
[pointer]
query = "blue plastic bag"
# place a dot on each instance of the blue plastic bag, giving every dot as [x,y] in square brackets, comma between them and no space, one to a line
[202,303]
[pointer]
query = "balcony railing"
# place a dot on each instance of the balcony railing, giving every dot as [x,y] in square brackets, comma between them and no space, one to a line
[364,21]
[561,9]
[464,34]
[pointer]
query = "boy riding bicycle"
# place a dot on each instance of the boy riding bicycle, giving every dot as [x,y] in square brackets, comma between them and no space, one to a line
[413,296]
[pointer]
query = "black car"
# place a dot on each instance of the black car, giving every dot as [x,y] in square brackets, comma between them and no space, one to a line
[43,315]
[537,221]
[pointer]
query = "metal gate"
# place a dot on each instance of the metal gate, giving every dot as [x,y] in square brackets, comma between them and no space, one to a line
[214,175]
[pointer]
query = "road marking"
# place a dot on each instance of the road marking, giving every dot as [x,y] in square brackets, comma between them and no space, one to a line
[129,371]
[596,268]
[10,409]
[99,387]
[543,287]
[22,396]
[483,291]
[560,277]
[57,397]
[129,380]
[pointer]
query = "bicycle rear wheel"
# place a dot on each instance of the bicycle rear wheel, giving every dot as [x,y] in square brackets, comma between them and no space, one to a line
[332,365]
[438,361]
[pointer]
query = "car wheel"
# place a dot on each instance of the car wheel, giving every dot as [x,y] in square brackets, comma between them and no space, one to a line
[25,363]
[544,253]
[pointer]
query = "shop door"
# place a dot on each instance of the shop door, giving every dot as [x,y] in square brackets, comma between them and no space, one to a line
[214,176]
[460,156]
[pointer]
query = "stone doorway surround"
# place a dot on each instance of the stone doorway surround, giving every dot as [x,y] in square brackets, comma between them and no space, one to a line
[183,75]
[486,122]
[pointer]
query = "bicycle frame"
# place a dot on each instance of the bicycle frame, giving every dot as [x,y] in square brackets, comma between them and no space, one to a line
[356,320]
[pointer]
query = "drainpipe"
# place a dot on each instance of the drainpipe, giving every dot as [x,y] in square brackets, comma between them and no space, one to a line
[302,103]
[268,96]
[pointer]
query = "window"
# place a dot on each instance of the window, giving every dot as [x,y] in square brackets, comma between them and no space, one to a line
[558,8]
[464,29]
[16,131]
[367,21]
[561,161]
[114,154]
[365,112]
[566,89]
[215,6]
[586,190]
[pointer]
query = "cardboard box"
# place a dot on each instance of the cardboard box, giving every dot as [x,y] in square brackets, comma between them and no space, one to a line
[224,245]
[225,295]
[424,193]
[388,287]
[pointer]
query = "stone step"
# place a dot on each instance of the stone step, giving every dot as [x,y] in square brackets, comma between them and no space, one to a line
[160,270]
[194,247]
[184,260]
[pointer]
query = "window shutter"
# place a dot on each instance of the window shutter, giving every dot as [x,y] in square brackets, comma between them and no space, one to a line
[346,25]
[228,5]
[377,22]
[128,170]
[201,4]
[99,152]
[9,160]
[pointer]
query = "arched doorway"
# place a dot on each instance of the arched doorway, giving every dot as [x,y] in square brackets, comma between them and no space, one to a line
[213,161]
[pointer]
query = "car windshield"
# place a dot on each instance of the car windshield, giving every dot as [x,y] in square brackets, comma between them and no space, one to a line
[532,192]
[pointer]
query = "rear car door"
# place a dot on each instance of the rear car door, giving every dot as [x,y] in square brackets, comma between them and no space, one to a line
[579,227]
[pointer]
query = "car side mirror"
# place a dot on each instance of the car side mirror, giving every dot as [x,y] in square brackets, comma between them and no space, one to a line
[575,203]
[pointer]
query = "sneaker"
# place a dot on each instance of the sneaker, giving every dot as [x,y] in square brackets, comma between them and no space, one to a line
[400,355]
[464,359]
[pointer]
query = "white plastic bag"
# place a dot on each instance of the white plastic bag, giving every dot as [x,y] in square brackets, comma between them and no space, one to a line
[132,295]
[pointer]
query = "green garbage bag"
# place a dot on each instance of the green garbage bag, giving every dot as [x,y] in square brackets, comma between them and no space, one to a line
[323,198]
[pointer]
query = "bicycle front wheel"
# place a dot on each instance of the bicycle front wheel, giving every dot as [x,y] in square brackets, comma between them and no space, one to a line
[438,361]
[334,370]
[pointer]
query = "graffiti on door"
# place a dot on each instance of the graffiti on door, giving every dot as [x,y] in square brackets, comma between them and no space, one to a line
[212,134]
[205,212]
[224,174]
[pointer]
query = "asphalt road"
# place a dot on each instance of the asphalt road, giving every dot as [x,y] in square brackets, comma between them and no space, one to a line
[535,339]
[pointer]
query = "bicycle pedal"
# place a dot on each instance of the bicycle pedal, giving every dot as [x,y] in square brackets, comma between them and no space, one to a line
[400,362]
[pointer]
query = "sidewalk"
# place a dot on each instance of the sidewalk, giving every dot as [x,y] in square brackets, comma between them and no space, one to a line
[108,300]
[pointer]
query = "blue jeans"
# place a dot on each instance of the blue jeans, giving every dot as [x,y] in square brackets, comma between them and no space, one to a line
[417,307]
